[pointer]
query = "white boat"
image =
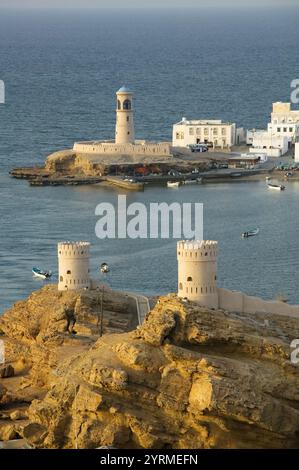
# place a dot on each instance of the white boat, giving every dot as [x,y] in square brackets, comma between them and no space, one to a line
[41,274]
[191,182]
[173,184]
[250,233]
[277,187]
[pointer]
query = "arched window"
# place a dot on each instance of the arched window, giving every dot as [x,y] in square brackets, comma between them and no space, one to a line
[127,104]
[180,286]
[118,104]
[189,279]
[61,278]
[68,272]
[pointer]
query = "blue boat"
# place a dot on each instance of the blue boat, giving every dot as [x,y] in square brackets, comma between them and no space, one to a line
[42,274]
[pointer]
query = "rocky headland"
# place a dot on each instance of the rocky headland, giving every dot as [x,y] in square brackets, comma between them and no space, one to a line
[188,377]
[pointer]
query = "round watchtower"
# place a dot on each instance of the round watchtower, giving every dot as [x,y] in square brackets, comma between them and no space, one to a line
[124,129]
[197,271]
[73,265]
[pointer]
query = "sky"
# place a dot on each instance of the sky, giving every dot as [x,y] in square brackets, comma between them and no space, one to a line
[107,4]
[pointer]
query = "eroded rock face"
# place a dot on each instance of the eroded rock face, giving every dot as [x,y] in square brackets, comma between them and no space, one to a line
[188,378]
[36,340]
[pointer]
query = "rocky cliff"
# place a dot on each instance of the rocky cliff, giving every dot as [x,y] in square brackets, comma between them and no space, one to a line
[39,333]
[189,377]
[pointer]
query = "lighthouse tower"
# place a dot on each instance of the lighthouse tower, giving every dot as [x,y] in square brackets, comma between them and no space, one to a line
[197,271]
[73,265]
[124,129]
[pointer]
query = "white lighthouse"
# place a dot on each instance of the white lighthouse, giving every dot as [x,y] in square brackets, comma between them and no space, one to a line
[73,265]
[124,129]
[197,271]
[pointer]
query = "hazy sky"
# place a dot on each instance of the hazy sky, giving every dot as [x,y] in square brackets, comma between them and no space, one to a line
[142,3]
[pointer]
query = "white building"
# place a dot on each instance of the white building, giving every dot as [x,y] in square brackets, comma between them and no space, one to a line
[73,266]
[284,121]
[215,133]
[266,142]
[197,271]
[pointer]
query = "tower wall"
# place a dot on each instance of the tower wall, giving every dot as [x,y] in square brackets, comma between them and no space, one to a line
[124,129]
[73,266]
[197,271]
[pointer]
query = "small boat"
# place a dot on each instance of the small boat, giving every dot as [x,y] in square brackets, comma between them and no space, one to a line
[173,184]
[250,233]
[191,182]
[104,268]
[42,274]
[278,187]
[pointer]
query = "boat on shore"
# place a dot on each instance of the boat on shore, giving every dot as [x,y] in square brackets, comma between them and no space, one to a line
[191,182]
[250,233]
[41,274]
[173,184]
[277,187]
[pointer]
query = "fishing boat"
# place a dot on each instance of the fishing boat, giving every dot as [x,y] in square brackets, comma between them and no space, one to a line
[278,187]
[250,233]
[173,184]
[42,274]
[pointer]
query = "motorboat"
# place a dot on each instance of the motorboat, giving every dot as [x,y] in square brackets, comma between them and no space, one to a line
[277,187]
[41,274]
[173,184]
[250,233]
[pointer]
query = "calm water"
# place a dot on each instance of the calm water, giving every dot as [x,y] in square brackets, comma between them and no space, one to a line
[61,72]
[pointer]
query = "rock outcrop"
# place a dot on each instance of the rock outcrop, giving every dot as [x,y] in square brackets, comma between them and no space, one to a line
[189,377]
[36,341]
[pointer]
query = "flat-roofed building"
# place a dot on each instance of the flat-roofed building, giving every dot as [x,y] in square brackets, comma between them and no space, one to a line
[267,142]
[284,121]
[214,133]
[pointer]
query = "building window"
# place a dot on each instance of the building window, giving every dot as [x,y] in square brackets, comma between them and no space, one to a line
[223,131]
[285,129]
[68,272]
[198,130]
[127,105]
[180,286]
[128,118]
[191,130]
[215,131]
[118,104]
[189,279]
[61,279]
[291,129]
[278,129]
[206,131]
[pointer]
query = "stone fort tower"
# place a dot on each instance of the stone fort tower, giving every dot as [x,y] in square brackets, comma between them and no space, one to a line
[124,129]
[197,271]
[73,265]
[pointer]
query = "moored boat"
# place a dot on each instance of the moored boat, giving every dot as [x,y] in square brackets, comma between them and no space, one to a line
[250,233]
[41,274]
[173,184]
[277,187]
[191,181]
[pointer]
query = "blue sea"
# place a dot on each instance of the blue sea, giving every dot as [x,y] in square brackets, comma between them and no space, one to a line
[61,71]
